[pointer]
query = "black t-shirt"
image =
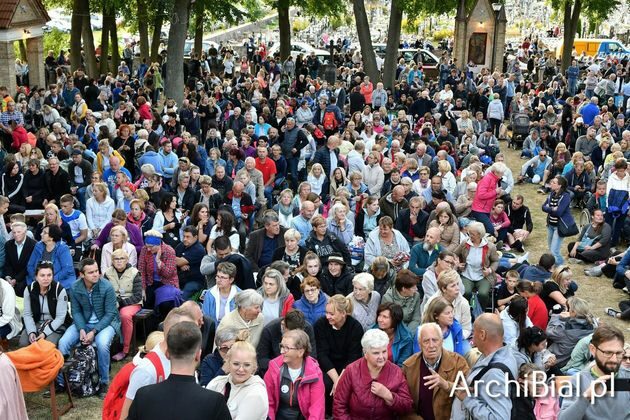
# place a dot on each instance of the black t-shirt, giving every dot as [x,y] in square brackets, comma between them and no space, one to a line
[548,288]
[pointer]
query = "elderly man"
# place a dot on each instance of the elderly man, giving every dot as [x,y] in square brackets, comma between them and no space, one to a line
[588,399]
[328,157]
[492,372]
[421,155]
[412,222]
[18,251]
[109,176]
[293,140]
[437,185]
[302,222]
[394,202]
[423,254]
[264,241]
[587,143]
[431,374]
[57,182]
[6,131]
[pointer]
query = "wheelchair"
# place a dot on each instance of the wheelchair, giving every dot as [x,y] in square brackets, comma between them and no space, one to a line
[584,218]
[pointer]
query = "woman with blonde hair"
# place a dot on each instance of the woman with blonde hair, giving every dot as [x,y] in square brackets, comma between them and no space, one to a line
[277,300]
[119,240]
[449,183]
[244,391]
[558,288]
[99,208]
[317,178]
[53,217]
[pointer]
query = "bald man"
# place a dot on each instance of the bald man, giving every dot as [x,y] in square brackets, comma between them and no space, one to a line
[394,202]
[489,375]
[205,323]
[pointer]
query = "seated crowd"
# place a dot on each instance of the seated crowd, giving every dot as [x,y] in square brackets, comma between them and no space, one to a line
[346,254]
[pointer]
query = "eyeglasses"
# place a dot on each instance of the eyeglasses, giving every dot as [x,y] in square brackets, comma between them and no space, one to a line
[238,365]
[609,354]
[624,358]
[45,263]
[309,291]
[287,348]
[224,349]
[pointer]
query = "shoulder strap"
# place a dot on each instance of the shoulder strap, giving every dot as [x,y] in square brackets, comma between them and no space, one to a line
[499,366]
[157,363]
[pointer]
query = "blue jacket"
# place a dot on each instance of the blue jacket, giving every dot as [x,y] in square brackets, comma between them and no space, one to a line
[402,347]
[62,264]
[623,265]
[461,344]
[211,367]
[420,259]
[211,298]
[154,159]
[533,273]
[312,311]
[103,304]
[169,163]
[562,212]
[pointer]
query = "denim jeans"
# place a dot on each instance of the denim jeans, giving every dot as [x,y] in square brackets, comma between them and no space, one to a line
[190,288]
[554,242]
[102,340]
[81,197]
[572,86]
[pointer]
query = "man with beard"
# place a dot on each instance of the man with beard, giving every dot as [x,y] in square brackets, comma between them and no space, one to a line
[425,253]
[587,399]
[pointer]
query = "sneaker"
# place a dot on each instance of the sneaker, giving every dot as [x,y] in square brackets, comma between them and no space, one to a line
[522,258]
[541,191]
[611,312]
[102,391]
[595,271]
[575,261]
[625,289]
[119,356]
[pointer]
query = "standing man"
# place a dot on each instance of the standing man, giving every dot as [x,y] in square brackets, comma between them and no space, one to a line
[293,140]
[268,169]
[95,316]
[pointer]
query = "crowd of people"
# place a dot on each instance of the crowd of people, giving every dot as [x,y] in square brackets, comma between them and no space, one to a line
[319,248]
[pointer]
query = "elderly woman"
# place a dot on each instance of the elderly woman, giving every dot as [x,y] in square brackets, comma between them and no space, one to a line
[286,208]
[448,283]
[358,190]
[51,248]
[567,328]
[291,253]
[441,312]
[277,300]
[339,225]
[404,292]
[245,392]
[313,301]
[45,307]
[447,223]
[212,365]
[118,241]
[364,299]
[478,261]
[372,387]
[384,274]
[127,283]
[488,190]
[185,195]
[387,242]
[159,274]
[300,371]
[389,319]
[324,243]
[99,208]
[338,336]
[247,315]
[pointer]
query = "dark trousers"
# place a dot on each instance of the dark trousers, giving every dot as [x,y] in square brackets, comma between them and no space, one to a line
[485,219]
[589,256]
[624,305]
[495,124]
[617,227]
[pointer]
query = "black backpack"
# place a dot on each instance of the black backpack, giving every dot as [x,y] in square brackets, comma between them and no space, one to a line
[83,372]
[522,407]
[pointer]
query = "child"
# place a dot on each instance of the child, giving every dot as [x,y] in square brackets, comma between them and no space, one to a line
[250,188]
[76,220]
[507,290]
[500,221]
[534,402]
[316,178]
[124,202]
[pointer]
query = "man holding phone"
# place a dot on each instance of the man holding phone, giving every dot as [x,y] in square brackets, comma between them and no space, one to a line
[591,396]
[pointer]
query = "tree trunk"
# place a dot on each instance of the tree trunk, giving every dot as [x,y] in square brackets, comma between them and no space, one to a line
[23,54]
[113,36]
[284,26]
[393,40]
[88,44]
[107,17]
[143,29]
[157,32]
[571,21]
[174,80]
[365,39]
[75,35]
[199,12]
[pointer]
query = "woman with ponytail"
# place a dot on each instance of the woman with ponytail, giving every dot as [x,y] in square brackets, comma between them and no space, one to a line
[537,310]
[515,320]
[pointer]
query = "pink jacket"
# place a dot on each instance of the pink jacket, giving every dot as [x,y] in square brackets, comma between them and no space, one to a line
[486,193]
[310,390]
[354,400]
[502,220]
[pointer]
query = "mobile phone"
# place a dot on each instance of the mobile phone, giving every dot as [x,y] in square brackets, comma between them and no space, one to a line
[621,384]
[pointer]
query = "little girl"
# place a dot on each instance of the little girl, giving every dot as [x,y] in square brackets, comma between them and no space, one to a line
[316,178]
[127,191]
[250,188]
[500,221]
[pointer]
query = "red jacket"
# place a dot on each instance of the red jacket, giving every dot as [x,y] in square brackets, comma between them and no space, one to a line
[145,112]
[537,312]
[486,193]
[310,391]
[20,136]
[355,400]
[168,271]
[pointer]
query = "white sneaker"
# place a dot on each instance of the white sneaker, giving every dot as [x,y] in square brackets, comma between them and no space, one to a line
[522,258]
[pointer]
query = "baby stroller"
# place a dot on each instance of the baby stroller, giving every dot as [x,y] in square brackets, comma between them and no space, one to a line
[520,129]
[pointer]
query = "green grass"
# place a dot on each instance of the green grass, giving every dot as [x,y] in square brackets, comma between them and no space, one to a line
[597,290]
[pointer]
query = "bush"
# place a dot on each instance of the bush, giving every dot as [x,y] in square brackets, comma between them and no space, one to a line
[442,34]
[410,26]
[300,24]
[56,40]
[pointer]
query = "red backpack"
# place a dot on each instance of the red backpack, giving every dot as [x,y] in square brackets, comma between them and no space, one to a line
[115,398]
[330,121]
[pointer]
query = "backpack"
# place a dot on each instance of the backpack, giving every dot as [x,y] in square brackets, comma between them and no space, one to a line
[520,404]
[329,121]
[83,375]
[116,394]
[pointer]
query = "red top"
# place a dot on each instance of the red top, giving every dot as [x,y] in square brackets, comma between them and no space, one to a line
[268,168]
[538,313]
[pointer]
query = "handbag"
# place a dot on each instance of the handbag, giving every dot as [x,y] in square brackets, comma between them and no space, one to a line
[564,230]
